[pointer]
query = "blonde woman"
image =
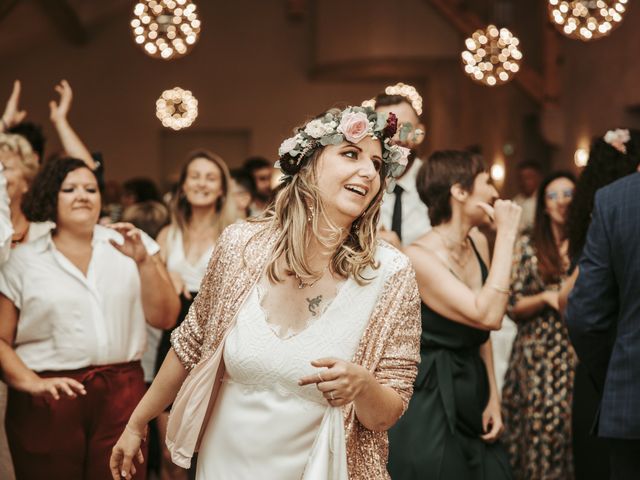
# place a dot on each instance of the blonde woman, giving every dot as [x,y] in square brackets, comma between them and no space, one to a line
[310,323]
[200,211]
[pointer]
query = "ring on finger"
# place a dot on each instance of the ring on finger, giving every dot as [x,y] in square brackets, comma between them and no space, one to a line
[320,377]
[331,396]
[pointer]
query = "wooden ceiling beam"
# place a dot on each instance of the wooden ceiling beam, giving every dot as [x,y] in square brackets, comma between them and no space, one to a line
[5,7]
[66,20]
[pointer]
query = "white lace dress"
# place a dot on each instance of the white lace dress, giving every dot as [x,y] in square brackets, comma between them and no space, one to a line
[263,425]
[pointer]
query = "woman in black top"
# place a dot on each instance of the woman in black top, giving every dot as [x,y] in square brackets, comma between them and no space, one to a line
[453,421]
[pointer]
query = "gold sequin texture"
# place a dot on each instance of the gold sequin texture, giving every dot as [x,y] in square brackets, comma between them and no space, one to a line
[389,347]
[538,388]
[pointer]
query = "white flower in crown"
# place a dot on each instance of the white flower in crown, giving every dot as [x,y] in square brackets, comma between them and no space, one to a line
[617,139]
[288,145]
[404,159]
[318,128]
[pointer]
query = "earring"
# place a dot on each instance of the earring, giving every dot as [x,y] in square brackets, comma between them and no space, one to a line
[310,213]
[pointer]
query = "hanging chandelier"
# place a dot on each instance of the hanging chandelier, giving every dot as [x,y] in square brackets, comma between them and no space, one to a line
[165,29]
[177,108]
[587,19]
[492,56]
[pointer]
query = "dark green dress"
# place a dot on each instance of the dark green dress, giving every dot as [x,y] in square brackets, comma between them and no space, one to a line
[438,438]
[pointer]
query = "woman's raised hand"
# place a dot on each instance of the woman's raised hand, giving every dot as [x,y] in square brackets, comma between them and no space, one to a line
[340,382]
[505,214]
[12,114]
[59,111]
[126,448]
[132,246]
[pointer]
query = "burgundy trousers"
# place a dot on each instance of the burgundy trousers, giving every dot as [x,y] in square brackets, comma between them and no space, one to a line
[72,438]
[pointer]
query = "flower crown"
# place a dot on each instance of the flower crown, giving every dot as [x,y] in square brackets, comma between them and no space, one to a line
[352,124]
[617,139]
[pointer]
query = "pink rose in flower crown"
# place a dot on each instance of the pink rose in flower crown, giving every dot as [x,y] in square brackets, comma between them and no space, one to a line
[354,126]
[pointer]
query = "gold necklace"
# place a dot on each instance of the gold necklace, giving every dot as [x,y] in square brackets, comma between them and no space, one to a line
[302,284]
[464,244]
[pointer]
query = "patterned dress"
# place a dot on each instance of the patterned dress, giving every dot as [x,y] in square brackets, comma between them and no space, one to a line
[538,389]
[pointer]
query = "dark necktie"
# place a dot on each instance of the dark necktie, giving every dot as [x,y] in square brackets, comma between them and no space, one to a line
[396,219]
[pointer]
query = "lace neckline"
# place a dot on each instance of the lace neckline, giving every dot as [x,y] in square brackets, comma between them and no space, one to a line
[287,333]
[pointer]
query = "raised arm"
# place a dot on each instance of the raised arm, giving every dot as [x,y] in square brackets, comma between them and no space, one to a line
[73,146]
[450,297]
[12,114]
[592,309]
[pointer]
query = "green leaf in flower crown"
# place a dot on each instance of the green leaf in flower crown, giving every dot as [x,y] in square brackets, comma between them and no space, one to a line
[381,121]
[331,139]
[336,138]
[405,129]
[294,153]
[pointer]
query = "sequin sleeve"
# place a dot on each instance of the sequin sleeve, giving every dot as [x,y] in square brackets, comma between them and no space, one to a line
[399,306]
[187,339]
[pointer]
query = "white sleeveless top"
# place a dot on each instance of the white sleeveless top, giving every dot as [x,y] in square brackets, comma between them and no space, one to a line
[264,424]
[177,262]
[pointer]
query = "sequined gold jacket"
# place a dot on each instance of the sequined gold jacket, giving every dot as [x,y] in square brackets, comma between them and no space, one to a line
[389,347]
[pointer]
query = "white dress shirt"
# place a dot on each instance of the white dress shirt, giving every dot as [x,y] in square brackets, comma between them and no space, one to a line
[415,215]
[528,216]
[68,321]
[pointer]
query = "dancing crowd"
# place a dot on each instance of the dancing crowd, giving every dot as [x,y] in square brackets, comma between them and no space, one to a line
[327,318]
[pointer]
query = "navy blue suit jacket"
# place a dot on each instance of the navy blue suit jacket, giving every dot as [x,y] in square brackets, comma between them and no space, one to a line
[603,313]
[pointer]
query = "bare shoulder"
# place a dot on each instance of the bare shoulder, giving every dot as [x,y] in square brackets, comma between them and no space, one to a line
[162,236]
[422,253]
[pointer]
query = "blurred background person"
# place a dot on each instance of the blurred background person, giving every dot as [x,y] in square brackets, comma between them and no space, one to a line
[137,190]
[403,216]
[529,178]
[609,161]
[150,217]
[242,191]
[74,304]
[538,388]
[261,170]
[200,210]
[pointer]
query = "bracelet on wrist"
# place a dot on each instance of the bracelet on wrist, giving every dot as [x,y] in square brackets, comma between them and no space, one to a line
[500,289]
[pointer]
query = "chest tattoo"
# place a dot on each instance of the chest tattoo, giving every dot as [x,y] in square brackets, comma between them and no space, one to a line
[314,304]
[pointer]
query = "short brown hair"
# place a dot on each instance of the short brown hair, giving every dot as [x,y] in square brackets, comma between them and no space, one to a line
[437,175]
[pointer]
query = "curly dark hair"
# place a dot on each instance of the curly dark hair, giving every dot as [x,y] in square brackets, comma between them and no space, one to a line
[549,260]
[439,173]
[40,203]
[606,164]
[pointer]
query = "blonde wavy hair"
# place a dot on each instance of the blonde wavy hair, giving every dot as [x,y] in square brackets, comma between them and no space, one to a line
[296,212]
[181,208]
[18,145]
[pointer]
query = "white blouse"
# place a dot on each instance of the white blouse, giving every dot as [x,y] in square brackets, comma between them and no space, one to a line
[68,321]
[177,262]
